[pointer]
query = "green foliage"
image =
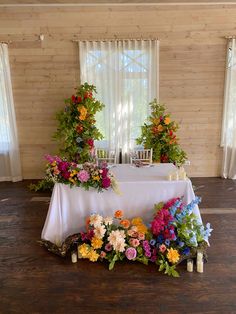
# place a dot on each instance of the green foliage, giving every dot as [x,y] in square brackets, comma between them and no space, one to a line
[168,270]
[159,133]
[76,129]
[42,185]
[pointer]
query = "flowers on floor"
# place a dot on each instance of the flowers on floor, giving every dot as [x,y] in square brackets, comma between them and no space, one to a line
[173,235]
[159,133]
[87,175]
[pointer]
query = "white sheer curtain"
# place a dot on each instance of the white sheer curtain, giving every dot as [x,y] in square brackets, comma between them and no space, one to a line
[10,167]
[126,74]
[228,138]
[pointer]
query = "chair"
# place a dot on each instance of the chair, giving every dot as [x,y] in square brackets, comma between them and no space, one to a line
[143,155]
[105,155]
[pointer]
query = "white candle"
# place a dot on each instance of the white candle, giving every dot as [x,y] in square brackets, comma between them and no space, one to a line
[199,256]
[190,265]
[200,267]
[74,257]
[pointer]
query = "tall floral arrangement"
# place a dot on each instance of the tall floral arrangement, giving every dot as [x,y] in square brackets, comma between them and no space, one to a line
[159,133]
[76,130]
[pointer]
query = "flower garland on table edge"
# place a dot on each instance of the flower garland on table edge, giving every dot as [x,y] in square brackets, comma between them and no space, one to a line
[175,234]
[87,175]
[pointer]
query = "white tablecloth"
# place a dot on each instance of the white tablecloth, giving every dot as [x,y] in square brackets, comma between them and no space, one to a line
[141,188]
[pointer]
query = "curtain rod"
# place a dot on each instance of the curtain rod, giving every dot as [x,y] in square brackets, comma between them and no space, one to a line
[113,39]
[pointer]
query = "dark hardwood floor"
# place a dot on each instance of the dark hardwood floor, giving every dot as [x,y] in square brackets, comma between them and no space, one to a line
[33,280]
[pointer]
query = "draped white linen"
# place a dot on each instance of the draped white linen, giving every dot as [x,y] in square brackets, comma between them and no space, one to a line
[228,138]
[10,166]
[126,74]
[140,188]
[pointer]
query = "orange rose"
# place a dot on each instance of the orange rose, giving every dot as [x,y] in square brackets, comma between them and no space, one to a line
[118,214]
[125,223]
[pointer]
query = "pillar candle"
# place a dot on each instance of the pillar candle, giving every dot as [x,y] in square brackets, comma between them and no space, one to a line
[200,267]
[74,257]
[190,265]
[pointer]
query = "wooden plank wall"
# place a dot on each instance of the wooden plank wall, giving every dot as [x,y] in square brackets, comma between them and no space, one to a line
[192,65]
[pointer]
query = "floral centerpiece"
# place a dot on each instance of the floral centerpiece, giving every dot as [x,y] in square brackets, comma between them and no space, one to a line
[87,175]
[159,133]
[175,234]
[76,130]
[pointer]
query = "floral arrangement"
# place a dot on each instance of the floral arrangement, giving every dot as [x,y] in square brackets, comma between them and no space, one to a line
[76,131]
[86,175]
[159,133]
[175,234]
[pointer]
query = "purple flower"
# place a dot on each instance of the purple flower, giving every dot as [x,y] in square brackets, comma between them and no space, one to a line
[153,258]
[106,182]
[186,251]
[83,176]
[66,175]
[104,172]
[63,166]
[131,253]
[148,253]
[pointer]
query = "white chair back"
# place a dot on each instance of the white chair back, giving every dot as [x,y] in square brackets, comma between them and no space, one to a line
[105,155]
[144,155]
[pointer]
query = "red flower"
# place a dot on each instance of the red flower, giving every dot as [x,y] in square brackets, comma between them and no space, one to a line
[79,128]
[170,132]
[164,158]
[73,98]
[79,99]
[88,95]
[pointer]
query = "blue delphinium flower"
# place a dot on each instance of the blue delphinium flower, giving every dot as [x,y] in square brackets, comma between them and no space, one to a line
[207,232]
[180,243]
[193,240]
[186,251]
[160,238]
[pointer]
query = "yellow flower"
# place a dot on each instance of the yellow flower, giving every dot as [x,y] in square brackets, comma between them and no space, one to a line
[72,180]
[84,250]
[141,228]
[83,112]
[160,128]
[53,164]
[173,255]
[137,221]
[96,243]
[93,256]
[73,172]
[156,121]
[167,120]
[96,178]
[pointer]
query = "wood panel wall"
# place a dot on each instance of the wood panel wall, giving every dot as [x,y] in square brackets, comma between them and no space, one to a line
[192,65]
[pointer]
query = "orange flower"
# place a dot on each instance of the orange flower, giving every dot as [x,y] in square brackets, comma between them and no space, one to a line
[118,214]
[125,223]
[87,222]
[160,128]
[167,120]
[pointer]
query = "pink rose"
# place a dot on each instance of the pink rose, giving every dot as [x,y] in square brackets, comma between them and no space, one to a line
[131,253]
[103,254]
[162,248]
[134,242]
[108,247]
[83,176]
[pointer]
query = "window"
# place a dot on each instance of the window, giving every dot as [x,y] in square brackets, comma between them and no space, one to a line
[126,76]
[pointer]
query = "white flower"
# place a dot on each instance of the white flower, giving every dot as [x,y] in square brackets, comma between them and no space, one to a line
[95,220]
[99,231]
[117,240]
[108,220]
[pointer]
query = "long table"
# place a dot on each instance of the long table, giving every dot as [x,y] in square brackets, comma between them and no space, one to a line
[141,188]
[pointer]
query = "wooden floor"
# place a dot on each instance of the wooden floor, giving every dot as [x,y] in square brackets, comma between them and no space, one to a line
[34,281]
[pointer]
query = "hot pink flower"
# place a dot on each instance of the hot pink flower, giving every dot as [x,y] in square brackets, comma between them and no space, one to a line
[83,176]
[90,142]
[131,253]
[106,182]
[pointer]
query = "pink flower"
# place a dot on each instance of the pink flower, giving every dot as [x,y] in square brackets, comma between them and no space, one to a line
[162,248]
[106,182]
[131,253]
[104,172]
[141,236]
[108,247]
[134,242]
[83,176]
[103,254]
